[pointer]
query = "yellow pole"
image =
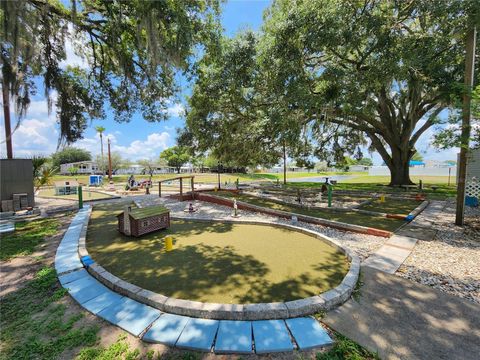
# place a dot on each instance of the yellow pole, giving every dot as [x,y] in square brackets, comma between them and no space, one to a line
[382,198]
[168,243]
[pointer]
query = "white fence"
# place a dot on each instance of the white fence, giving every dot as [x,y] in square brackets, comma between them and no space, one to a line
[418,171]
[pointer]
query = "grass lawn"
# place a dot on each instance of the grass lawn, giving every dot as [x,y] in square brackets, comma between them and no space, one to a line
[293,175]
[87,195]
[26,237]
[350,217]
[378,184]
[392,206]
[36,325]
[217,262]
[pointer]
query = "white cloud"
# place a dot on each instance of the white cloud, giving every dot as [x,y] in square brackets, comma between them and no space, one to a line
[73,43]
[37,133]
[137,149]
[176,110]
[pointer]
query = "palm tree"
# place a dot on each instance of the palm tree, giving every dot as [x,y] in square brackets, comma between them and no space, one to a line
[100,130]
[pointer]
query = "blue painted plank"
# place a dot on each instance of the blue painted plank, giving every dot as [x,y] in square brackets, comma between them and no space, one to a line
[85,289]
[198,334]
[139,319]
[271,336]
[234,337]
[308,333]
[167,329]
[102,301]
[73,276]
[130,315]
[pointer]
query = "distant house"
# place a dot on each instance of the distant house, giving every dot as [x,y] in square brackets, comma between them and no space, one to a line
[359,168]
[83,167]
[136,222]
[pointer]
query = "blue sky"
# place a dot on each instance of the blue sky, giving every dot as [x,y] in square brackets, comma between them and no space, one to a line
[139,139]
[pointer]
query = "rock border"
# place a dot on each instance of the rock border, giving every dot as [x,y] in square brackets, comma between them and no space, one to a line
[287,215]
[258,311]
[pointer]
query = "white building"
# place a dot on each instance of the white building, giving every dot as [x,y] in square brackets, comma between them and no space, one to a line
[83,167]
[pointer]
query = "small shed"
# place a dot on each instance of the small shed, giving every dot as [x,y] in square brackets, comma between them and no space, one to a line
[134,221]
[66,187]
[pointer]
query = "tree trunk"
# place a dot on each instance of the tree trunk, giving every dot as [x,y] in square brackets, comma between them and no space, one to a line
[6,113]
[284,164]
[400,168]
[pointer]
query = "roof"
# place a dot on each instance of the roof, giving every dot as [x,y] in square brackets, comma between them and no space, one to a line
[416,162]
[149,211]
[64,183]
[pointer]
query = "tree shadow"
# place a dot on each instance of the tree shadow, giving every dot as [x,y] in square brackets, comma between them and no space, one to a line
[401,319]
[201,271]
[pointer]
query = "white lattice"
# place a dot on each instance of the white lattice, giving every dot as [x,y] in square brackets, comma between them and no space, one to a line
[472,187]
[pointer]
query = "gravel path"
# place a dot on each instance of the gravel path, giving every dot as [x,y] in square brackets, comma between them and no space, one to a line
[451,262]
[363,245]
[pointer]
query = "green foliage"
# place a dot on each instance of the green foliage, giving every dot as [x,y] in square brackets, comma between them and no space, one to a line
[176,156]
[376,71]
[73,170]
[43,171]
[70,155]
[449,136]
[133,49]
[35,326]
[26,237]
[118,162]
[346,349]
[417,156]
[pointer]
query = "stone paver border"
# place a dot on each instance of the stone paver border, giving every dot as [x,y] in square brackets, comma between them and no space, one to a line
[259,311]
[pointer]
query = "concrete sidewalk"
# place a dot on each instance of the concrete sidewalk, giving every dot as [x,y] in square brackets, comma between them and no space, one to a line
[400,319]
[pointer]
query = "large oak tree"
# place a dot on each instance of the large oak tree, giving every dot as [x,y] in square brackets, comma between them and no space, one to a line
[386,69]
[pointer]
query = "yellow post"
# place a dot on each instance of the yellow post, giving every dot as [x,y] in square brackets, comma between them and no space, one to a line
[168,243]
[382,198]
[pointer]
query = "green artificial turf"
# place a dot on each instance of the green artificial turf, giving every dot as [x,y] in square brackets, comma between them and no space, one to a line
[350,217]
[217,262]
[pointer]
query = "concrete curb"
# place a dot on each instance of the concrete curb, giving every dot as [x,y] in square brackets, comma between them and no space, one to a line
[259,311]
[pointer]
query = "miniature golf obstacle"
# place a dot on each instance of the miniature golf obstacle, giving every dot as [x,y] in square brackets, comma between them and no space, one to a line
[136,221]
[235,208]
[168,243]
[66,187]
[95,180]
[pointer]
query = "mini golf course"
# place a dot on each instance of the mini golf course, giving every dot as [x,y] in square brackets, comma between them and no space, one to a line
[351,217]
[217,262]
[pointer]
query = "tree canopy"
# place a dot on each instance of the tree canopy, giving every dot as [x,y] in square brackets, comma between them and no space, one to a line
[176,156]
[330,75]
[132,48]
[70,155]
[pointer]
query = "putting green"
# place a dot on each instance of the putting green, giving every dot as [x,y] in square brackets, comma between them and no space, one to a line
[218,262]
[350,217]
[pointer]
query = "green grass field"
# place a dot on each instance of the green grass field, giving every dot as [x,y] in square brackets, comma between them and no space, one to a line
[349,217]
[26,237]
[392,206]
[217,262]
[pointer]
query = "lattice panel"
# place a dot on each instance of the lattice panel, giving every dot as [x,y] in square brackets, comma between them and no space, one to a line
[472,188]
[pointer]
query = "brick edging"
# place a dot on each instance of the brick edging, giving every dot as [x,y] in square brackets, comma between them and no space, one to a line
[286,215]
[258,311]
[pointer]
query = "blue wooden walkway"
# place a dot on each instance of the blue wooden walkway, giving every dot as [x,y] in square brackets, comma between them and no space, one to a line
[152,325]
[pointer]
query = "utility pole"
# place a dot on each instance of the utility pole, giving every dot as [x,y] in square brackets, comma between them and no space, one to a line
[6,113]
[109,162]
[465,135]
[284,163]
